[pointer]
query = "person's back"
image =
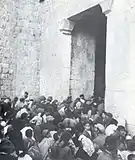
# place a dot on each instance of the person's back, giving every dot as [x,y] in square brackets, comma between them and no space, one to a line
[65,153]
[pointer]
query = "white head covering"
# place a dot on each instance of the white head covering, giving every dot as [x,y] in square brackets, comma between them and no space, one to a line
[87,144]
[110,129]
[100,127]
[128,137]
[3,123]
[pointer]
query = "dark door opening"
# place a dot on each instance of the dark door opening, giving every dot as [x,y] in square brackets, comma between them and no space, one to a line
[88,55]
[100,57]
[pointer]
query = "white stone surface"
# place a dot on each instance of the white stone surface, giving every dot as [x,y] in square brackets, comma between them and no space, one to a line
[120,75]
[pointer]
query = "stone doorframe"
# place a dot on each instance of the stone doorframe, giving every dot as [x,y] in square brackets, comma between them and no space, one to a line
[66,25]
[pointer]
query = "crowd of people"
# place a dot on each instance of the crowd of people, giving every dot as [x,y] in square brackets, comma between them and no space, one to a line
[46,129]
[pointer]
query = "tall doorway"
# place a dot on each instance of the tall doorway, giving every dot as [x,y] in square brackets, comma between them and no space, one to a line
[88,54]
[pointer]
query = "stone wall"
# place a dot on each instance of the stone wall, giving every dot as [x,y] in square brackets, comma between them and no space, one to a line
[120,61]
[20,38]
[28,34]
[7,52]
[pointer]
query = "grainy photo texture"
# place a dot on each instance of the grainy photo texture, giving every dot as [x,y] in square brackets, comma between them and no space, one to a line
[67,80]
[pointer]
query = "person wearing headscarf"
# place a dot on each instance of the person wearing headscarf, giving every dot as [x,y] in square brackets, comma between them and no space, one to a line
[100,139]
[86,148]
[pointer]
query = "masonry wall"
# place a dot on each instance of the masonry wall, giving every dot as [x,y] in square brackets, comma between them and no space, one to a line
[7,52]
[21,24]
[28,34]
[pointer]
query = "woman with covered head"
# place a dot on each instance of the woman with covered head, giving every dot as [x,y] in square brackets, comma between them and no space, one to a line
[86,148]
[100,138]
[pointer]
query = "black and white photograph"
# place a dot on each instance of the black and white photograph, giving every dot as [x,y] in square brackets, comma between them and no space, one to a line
[67,80]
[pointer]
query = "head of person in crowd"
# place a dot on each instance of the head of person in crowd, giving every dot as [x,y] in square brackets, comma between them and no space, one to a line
[24,117]
[114,122]
[88,103]
[82,98]
[122,132]
[27,101]
[130,145]
[7,100]
[56,137]
[100,128]
[88,129]
[49,119]
[100,99]
[49,99]
[111,130]
[2,126]
[22,100]
[7,130]
[29,133]
[55,104]
[75,101]
[111,144]
[108,116]
[131,157]
[64,139]
[94,108]
[3,98]
[46,133]
[87,125]
[26,94]
[43,99]
[78,105]
[84,116]
[15,99]
[89,113]
[69,99]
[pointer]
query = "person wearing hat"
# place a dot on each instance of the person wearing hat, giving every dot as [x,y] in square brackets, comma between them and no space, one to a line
[100,139]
